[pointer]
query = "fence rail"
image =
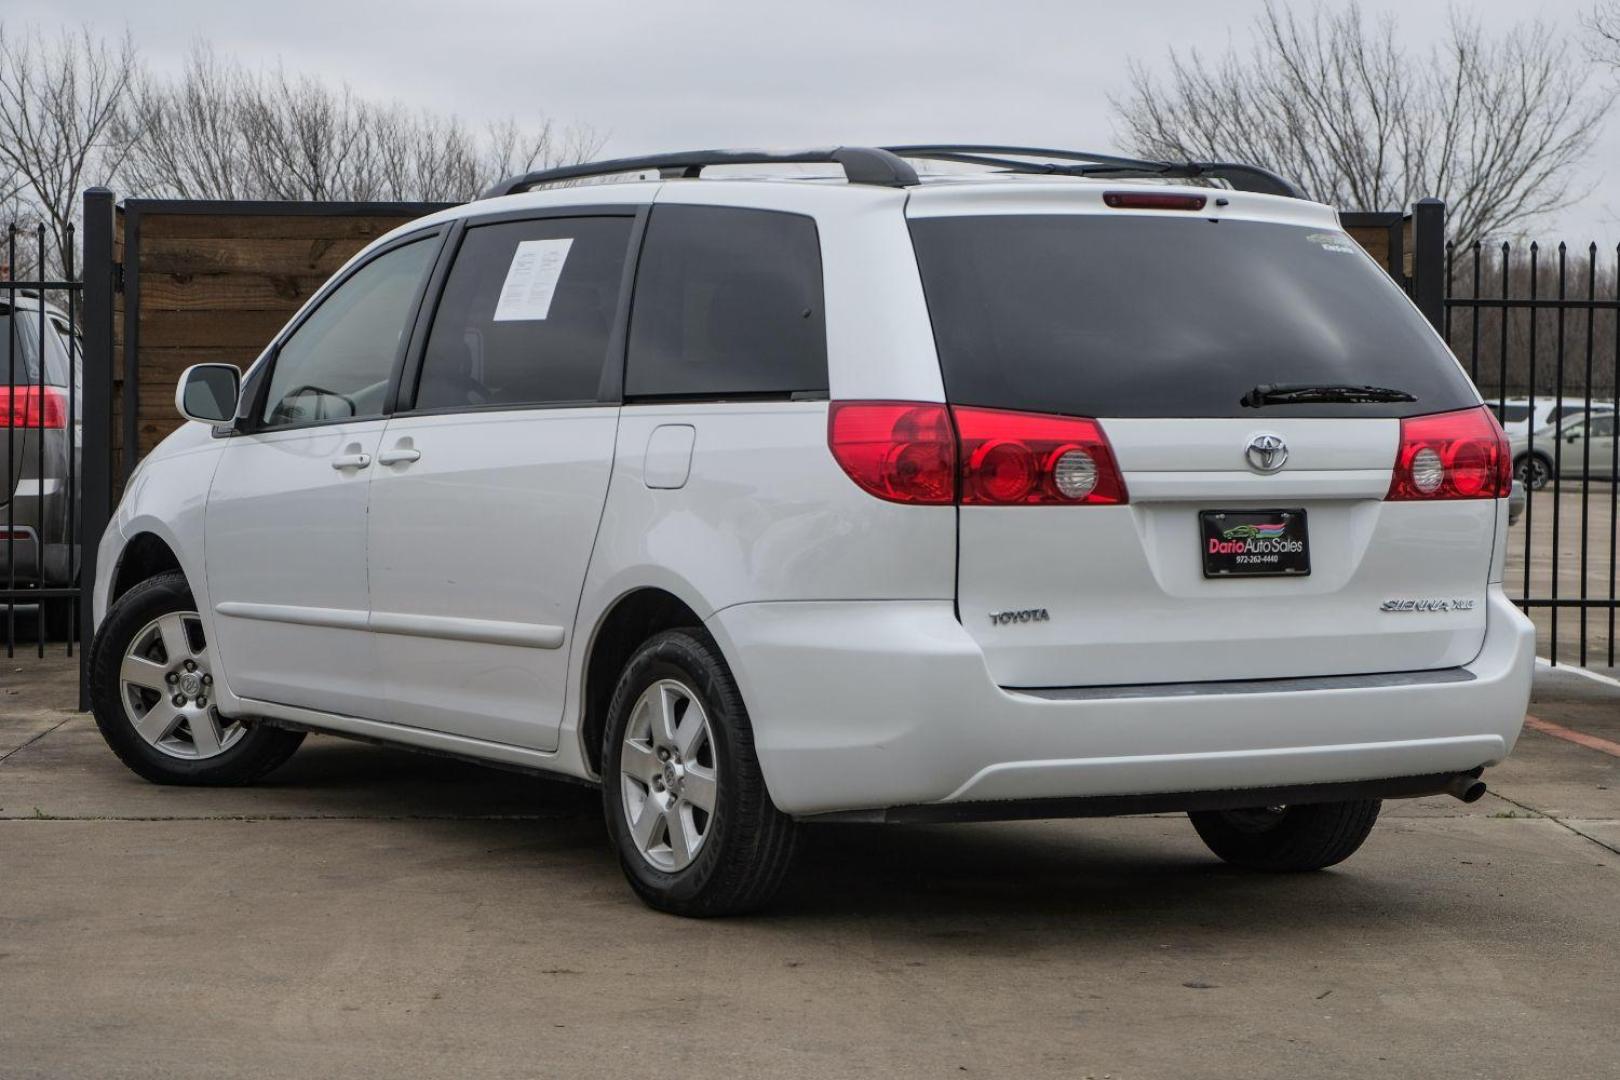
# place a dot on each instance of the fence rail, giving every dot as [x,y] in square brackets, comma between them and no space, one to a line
[41,388]
[1541,339]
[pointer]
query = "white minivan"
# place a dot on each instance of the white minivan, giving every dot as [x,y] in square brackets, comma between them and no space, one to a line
[1051,490]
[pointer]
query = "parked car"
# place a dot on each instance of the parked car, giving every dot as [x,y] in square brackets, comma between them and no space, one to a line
[1578,449]
[769,501]
[39,447]
[1520,416]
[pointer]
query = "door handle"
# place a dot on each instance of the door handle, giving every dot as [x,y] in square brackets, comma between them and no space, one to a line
[351,461]
[402,455]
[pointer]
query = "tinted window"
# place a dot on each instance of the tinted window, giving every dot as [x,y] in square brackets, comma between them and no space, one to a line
[526,314]
[338,363]
[1131,315]
[1512,414]
[727,302]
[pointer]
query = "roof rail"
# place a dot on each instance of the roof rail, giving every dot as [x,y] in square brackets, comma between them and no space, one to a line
[1241,177]
[862,165]
[887,167]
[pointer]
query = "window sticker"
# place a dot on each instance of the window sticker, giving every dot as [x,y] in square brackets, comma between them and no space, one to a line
[531,280]
[1339,242]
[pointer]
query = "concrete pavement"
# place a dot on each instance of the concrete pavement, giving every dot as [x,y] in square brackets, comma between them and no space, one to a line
[371,913]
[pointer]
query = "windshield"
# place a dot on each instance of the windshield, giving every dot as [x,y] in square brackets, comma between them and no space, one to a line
[1132,316]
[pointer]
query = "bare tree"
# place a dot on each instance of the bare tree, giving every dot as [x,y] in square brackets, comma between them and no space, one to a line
[1494,126]
[185,134]
[1603,22]
[59,106]
[217,130]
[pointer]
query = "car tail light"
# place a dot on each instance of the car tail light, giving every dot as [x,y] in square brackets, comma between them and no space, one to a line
[915,452]
[1032,459]
[32,406]
[901,451]
[1453,455]
[1151,200]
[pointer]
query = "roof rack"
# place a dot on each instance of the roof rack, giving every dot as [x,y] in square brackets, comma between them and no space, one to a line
[1240,177]
[887,167]
[862,165]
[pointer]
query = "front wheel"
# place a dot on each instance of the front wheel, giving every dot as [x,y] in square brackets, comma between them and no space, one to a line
[1287,838]
[685,801]
[1533,471]
[152,690]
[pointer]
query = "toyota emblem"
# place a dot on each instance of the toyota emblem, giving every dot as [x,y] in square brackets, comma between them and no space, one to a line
[1266,453]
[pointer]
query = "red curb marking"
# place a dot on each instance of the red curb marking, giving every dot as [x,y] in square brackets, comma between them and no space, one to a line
[1579,738]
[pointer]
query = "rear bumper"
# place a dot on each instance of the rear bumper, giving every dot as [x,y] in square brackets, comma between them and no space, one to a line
[874,705]
[30,563]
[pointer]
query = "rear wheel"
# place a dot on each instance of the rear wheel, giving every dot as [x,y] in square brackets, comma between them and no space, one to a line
[1287,837]
[152,690]
[682,791]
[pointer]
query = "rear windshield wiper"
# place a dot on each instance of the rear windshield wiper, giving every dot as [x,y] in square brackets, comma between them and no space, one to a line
[1307,394]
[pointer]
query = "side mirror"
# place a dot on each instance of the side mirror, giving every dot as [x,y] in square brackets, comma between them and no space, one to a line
[208,393]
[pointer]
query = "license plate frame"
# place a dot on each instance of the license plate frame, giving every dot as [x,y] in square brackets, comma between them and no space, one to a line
[1268,539]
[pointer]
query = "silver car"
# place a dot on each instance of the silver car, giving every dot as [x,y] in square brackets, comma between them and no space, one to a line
[39,447]
[1580,449]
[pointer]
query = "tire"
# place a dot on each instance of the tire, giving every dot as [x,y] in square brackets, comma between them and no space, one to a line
[727,860]
[1533,471]
[178,748]
[1289,838]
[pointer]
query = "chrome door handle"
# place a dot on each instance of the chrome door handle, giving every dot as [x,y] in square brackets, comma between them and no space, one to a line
[399,456]
[351,461]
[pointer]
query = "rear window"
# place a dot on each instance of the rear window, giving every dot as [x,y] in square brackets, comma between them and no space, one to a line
[727,303]
[1133,316]
[19,350]
[1511,414]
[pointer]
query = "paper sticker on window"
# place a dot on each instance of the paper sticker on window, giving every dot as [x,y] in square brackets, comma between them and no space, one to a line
[1339,242]
[531,280]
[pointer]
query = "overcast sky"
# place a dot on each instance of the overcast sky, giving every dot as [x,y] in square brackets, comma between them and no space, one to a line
[666,75]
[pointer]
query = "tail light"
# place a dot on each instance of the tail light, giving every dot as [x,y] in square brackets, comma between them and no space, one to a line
[901,451]
[1454,455]
[1031,459]
[933,454]
[32,406]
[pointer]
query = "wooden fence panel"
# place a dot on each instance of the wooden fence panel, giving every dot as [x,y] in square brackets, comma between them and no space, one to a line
[215,282]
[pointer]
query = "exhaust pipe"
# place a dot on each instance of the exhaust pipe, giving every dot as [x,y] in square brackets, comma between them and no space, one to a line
[1466,786]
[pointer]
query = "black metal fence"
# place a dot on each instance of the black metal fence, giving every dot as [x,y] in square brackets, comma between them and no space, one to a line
[41,414]
[55,427]
[1536,328]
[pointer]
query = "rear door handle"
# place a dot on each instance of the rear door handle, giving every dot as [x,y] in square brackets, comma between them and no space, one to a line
[399,456]
[351,461]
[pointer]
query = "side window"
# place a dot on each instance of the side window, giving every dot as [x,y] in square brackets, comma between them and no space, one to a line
[1602,427]
[338,363]
[526,314]
[727,302]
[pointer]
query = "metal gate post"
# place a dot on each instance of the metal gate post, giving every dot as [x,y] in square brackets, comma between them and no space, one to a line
[95,486]
[1429,261]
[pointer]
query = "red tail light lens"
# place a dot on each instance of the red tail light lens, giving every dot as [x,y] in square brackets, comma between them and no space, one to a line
[1031,459]
[1454,455]
[911,452]
[32,406]
[901,451]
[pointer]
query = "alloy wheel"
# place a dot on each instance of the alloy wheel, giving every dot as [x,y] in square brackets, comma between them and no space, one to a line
[668,775]
[167,688]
